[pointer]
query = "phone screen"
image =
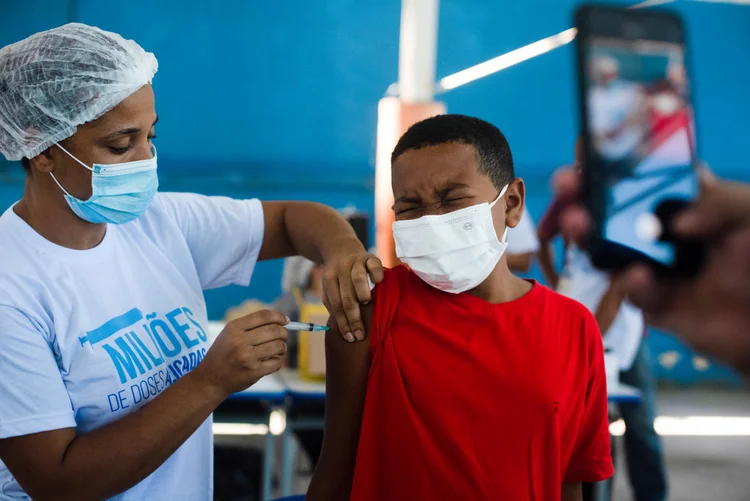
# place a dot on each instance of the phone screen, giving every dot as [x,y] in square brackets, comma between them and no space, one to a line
[640,124]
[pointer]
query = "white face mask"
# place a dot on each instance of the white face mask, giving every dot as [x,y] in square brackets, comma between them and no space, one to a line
[452,252]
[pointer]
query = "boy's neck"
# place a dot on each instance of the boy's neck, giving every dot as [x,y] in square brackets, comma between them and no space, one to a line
[501,286]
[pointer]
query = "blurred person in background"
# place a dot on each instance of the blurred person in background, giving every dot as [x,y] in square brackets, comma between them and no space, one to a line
[618,117]
[302,291]
[102,278]
[668,95]
[711,310]
[522,244]
[623,329]
[301,287]
[667,104]
[677,78]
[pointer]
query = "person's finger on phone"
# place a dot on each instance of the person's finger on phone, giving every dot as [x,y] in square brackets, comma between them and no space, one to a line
[722,204]
[641,287]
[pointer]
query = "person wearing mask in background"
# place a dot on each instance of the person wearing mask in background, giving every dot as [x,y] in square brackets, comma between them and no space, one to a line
[302,300]
[623,327]
[710,311]
[301,288]
[619,117]
[475,384]
[522,244]
[101,280]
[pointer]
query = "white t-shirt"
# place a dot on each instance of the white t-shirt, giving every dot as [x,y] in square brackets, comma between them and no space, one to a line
[87,337]
[586,284]
[610,106]
[522,238]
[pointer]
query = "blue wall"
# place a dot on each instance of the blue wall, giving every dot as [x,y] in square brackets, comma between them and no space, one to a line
[286,92]
[279,99]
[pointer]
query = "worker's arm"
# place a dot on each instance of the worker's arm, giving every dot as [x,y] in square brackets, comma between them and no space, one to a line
[571,492]
[609,305]
[347,369]
[61,465]
[322,235]
[520,262]
[546,260]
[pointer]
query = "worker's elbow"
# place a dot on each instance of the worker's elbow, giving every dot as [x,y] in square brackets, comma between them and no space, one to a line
[62,490]
[52,491]
[60,494]
[42,487]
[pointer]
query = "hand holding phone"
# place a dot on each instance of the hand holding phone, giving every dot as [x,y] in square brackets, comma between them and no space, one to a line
[639,167]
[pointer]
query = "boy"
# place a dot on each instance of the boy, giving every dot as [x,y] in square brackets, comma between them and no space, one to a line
[475,384]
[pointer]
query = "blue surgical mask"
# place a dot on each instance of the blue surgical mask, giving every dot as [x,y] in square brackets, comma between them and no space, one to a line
[119,192]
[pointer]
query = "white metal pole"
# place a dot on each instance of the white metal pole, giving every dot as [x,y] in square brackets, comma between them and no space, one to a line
[417,50]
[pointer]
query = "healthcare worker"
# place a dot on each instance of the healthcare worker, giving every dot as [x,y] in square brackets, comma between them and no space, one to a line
[107,381]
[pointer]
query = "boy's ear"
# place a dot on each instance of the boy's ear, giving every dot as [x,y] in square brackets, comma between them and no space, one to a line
[515,198]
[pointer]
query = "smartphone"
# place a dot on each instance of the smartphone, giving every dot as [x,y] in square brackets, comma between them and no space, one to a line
[638,133]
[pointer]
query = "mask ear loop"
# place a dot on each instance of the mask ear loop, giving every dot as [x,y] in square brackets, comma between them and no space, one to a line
[502,192]
[74,158]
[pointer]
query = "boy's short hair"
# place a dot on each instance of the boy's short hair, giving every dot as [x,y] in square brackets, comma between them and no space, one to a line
[495,158]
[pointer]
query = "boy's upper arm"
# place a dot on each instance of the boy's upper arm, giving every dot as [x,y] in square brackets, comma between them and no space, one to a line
[347,370]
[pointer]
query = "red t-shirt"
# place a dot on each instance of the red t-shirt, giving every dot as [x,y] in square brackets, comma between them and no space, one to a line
[468,400]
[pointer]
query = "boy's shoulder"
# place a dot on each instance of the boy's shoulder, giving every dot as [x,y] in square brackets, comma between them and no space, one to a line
[398,284]
[395,279]
[398,272]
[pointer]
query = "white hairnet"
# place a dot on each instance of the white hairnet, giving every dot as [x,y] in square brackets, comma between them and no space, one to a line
[296,273]
[56,80]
